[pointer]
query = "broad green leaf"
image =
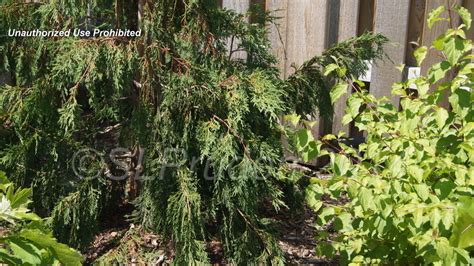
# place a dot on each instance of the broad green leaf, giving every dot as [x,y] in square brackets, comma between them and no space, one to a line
[303,137]
[454,50]
[423,191]
[330,68]
[433,16]
[343,222]
[312,196]
[310,124]
[20,197]
[438,71]
[65,254]
[467,69]
[325,216]
[311,151]
[443,188]
[341,164]
[366,199]
[420,54]
[314,204]
[6,257]
[346,119]
[448,218]
[438,43]
[353,106]
[463,229]
[435,217]
[337,91]
[329,137]
[465,15]
[25,250]
[395,164]
[460,102]
[294,119]
[416,172]
[341,72]
[463,256]
[422,86]
[467,129]
[325,249]
[444,250]
[6,212]
[418,217]
[441,116]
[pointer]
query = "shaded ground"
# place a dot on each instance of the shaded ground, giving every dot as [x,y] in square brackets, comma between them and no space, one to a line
[133,245]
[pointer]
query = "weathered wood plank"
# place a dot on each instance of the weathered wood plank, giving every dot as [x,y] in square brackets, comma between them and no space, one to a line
[345,15]
[349,19]
[469,4]
[429,35]
[391,19]
[240,6]
[277,32]
[366,24]
[415,30]
[366,16]
[306,29]
[306,37]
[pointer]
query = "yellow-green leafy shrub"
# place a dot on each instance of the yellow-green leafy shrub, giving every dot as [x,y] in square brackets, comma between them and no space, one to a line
[407,194]
[23,237]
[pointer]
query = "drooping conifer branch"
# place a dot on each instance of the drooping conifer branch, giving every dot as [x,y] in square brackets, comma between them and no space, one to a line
[208,124]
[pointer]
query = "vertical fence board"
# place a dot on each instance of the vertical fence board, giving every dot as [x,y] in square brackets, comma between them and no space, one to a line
[366,16]
[391,19]
[366,24]
[348,22]
[240,6]
[415,30]
[346,14]
[305,37]
[306,27]
[277,32]
[429,35]
[469,4]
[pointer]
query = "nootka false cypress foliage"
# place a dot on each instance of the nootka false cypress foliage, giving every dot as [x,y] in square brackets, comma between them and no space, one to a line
[207,121]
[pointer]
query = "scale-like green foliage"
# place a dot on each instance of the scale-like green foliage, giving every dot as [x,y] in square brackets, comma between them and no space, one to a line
[406,196]
[178,93]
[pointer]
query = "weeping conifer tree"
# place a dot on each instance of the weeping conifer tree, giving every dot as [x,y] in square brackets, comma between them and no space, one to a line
[200,125]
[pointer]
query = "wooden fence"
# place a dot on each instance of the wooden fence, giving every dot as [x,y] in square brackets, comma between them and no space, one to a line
[307,27]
